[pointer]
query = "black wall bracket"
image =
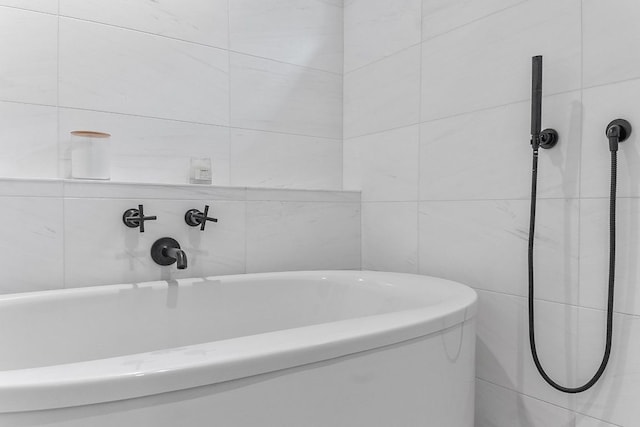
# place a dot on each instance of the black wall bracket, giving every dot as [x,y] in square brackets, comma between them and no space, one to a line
[617,131]
[548,138]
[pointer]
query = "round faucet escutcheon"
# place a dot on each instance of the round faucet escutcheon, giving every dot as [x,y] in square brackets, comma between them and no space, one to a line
[166,251]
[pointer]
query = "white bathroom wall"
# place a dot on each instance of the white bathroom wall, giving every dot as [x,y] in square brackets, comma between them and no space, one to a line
[58,234]
[254,84]
[436,125]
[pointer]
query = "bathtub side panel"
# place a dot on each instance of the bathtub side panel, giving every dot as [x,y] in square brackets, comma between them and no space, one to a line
[423,382]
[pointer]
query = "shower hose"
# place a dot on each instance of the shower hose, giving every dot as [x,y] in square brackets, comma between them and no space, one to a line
[612,261]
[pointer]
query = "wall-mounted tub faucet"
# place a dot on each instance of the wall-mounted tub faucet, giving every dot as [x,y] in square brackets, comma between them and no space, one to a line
[134,218]
[166,251]
[195,218]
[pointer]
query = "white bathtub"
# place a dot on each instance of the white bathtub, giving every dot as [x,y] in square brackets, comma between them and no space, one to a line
[301,349]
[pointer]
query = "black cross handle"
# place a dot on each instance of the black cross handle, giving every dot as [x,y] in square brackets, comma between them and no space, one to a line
[194,217]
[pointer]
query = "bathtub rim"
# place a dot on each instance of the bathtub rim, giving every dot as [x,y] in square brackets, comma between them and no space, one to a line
[84,383]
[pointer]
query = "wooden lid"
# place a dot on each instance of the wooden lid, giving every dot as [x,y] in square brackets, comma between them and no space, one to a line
[90,134]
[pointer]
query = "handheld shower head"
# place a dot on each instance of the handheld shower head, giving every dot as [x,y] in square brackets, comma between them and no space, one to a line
[548,137]
[536,95]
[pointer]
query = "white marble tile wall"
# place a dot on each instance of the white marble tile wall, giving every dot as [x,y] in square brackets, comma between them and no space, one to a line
[301,32]
[279,97]
[172,80]
[58,234]
[129,72]
[384,95]
[29,51]
[28,150]
[445,180]
[203,22]
[288,236]
[32,236]
[375,29]
[277,160]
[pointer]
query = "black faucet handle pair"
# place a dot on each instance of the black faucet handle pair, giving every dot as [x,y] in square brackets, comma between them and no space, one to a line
[195,218]
[133,218]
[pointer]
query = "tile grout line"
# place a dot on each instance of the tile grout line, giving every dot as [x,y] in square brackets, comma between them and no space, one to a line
[175,120]
[422,40]
[342,112]
[579,200]
[548,301]
[397,52]
[24,9]
[596,418]
[344,137]
[514,391]
[58,144]
[474,21]
[573,411]
[319,136]
[420,148]
[63,201]
[229,144]
[162,36]
[465,113]
[245,192]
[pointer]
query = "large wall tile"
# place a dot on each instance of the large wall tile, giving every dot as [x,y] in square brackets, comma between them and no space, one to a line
[488,62]
[29,52]
[484,244]
[272,96]
[383,165]
[502,350]
[267,159]
[594,254]
[124,71]
[383,95]
[390,236]
[500,407]
[470,157]
[101,250]
[614,398]
[302,32]
[31,239]
[375,29]
[28,141]
[440,16]
[601,106]
[288,236]
[201,21]
[606,58]
[149,150]
[47,6]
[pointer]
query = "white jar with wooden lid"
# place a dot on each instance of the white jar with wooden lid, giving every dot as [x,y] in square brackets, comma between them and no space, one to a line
[90,155]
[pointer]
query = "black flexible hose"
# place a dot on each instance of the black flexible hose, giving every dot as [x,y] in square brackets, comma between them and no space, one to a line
[612,262]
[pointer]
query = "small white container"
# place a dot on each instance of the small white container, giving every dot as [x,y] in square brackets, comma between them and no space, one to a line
[200,172]
[90,155]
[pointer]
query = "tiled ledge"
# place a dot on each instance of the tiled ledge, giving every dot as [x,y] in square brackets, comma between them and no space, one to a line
[11,187]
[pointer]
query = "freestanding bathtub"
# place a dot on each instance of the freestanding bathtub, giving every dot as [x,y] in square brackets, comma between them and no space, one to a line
[299,349]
